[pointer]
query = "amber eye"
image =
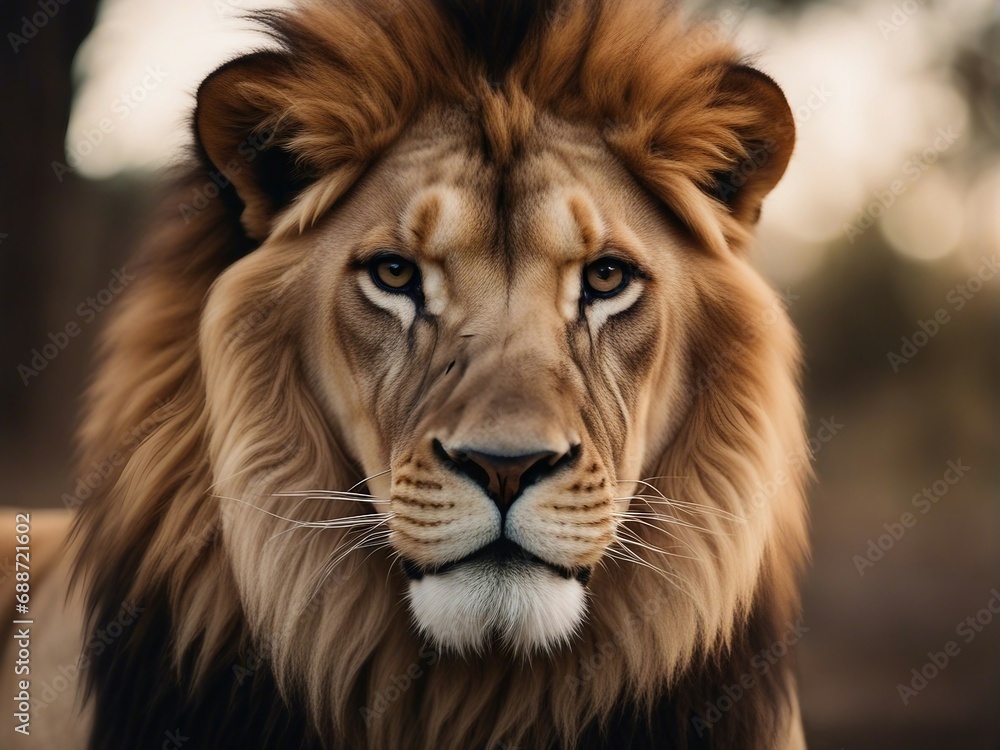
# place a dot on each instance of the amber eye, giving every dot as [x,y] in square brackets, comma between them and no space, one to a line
[394,273]
[605,277]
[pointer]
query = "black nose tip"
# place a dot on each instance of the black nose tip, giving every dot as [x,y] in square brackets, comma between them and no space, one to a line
[503,478]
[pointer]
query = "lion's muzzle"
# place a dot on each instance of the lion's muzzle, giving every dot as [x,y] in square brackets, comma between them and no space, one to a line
[504,478]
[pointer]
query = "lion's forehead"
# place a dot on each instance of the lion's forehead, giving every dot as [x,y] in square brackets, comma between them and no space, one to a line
[563,200]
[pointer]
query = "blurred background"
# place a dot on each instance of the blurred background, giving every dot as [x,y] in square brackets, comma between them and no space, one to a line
[884,239]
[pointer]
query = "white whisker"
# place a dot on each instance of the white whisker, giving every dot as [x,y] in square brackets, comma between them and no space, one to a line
[332,523]
[653,548]
[324,573]
[628,555]
[692,508]
[674,521]
[680,541]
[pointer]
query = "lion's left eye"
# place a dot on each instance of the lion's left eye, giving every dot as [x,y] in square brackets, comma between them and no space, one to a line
[605,277]
[395,273]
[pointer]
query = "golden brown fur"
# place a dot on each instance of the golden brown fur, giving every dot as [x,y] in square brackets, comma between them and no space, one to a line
[529,138]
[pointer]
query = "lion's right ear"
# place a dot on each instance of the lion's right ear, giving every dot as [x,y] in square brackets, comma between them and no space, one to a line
[243,123]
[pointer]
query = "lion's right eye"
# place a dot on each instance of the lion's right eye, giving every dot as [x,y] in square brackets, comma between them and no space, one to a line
[605,277]
[394,273]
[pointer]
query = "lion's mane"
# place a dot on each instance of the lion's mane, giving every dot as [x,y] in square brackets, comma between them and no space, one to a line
[351,672]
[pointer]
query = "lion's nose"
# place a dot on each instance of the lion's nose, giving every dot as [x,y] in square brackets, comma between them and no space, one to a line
[504,478]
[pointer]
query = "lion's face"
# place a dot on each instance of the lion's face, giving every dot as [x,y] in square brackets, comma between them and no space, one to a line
[487,344]
[507,318]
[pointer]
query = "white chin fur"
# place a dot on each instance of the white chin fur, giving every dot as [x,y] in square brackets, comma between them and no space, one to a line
[527,606]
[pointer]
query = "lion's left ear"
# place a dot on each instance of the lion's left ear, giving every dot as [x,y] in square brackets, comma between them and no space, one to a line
[245,124]
[766,131]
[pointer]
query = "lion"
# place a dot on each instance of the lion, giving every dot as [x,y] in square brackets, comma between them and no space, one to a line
[466,420]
